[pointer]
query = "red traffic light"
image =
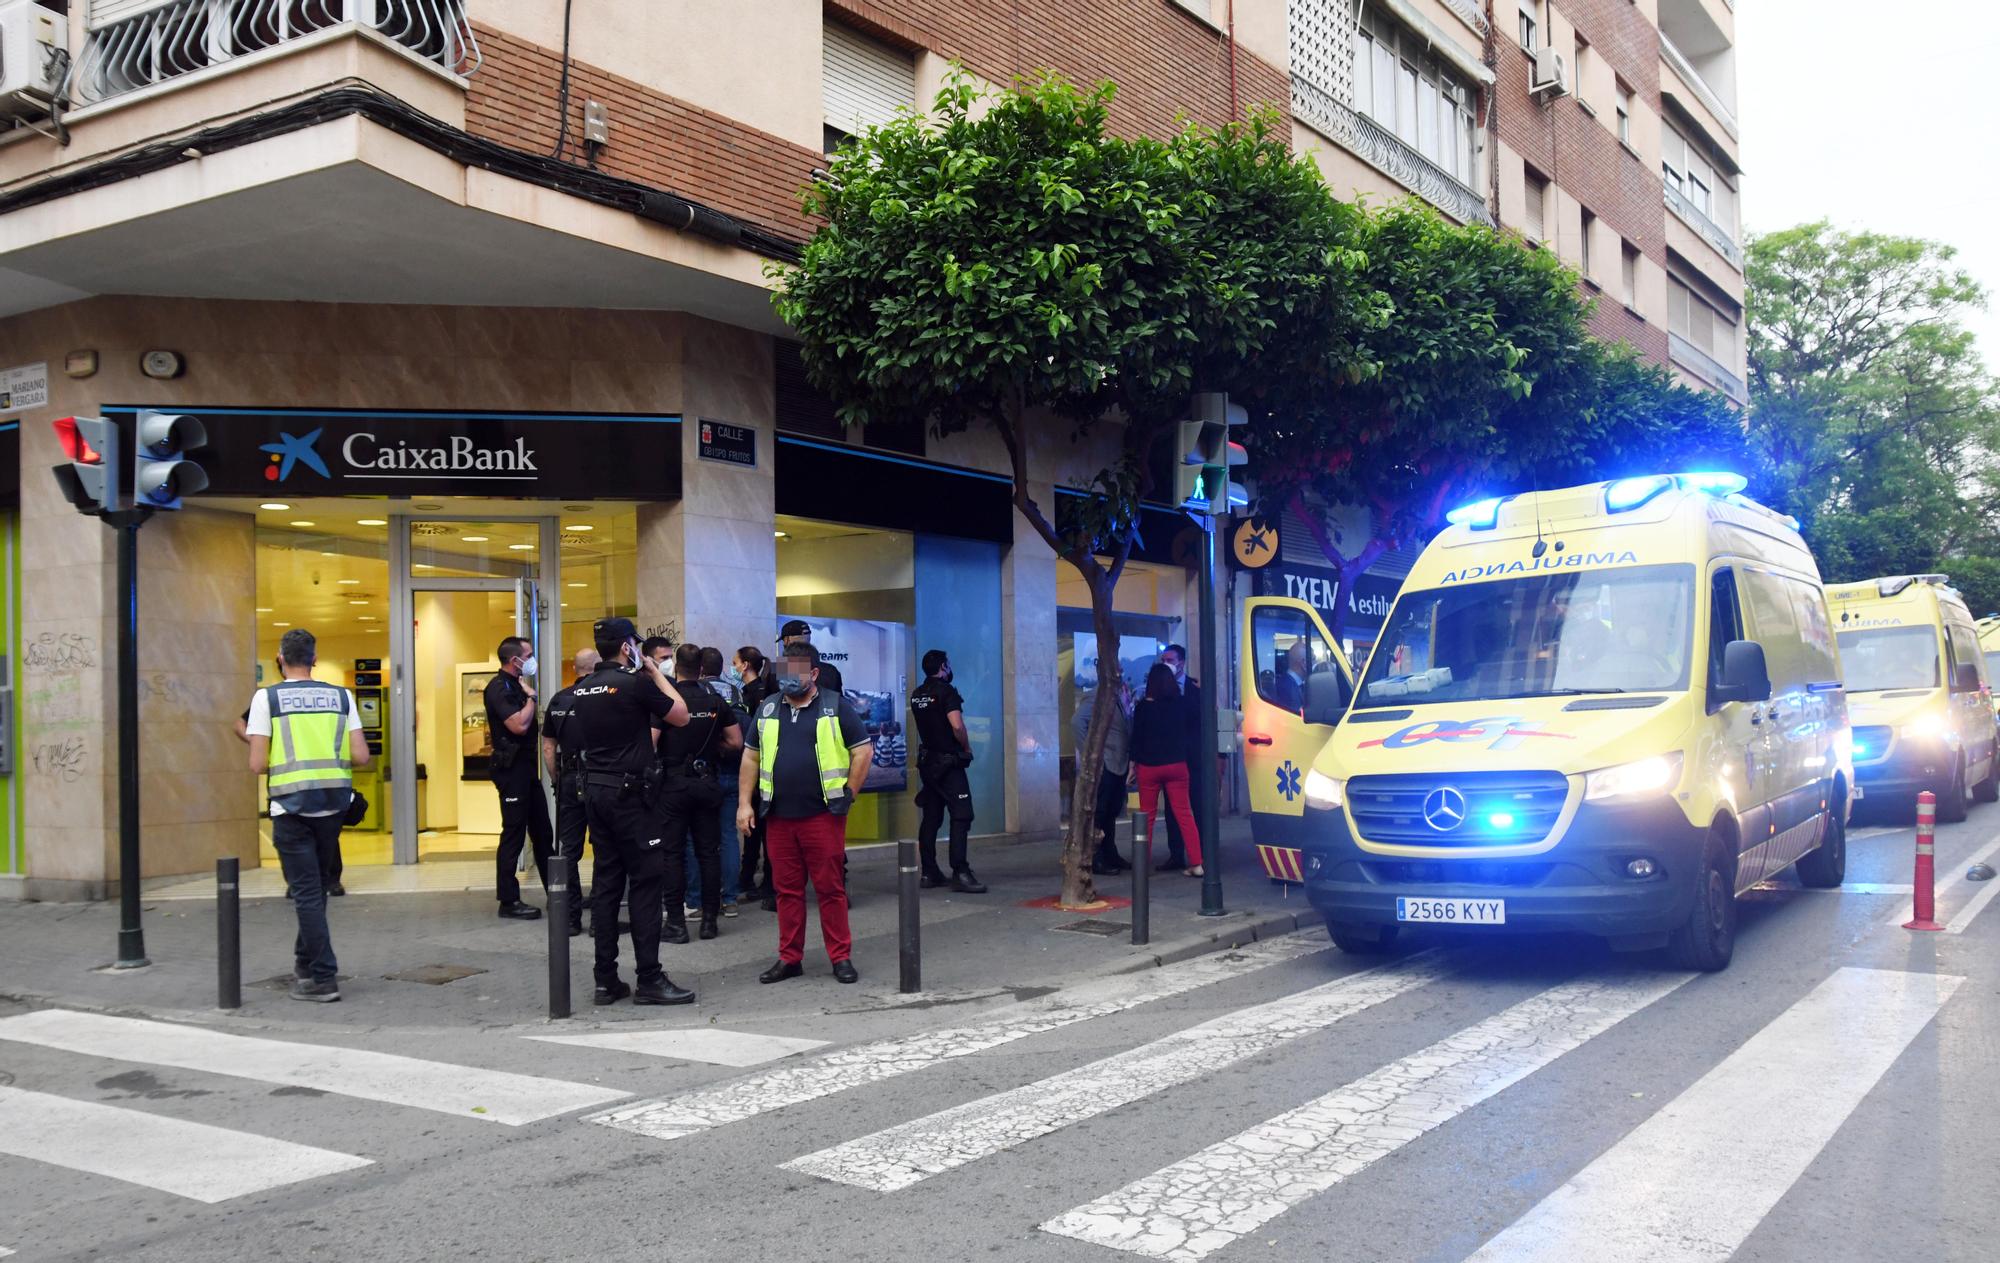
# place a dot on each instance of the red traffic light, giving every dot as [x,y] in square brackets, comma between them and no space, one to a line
[73,443]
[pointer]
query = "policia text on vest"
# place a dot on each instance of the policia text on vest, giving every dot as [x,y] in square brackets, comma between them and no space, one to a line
[305,737]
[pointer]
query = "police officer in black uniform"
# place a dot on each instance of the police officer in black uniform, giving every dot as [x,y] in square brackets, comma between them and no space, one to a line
[829,674]
[563,758]
[616,708]
[943,753]
[690,757]
[524,814]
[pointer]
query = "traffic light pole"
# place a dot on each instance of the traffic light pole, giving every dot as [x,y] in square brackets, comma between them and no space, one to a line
[1210,823]
[131,934]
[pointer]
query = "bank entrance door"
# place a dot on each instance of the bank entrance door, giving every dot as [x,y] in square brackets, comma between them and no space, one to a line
[460,586]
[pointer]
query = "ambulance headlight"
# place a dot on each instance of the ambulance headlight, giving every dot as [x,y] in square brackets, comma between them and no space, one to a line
[1657,775]
[1324,793]
[1930,726]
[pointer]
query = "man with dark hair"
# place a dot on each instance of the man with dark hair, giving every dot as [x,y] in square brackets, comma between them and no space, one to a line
[944,751]
[759,682]
[524,814]
[617,708]
[316,731]
[728,686]
[563,758]
[1175,656]
[660,650]
[689,757]
[798,631]
[807,757]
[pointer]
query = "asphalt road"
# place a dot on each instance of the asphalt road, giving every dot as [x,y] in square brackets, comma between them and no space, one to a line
[1829,1097]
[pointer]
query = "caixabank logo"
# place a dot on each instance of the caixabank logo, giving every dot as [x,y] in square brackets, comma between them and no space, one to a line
[364,455]
[292,450]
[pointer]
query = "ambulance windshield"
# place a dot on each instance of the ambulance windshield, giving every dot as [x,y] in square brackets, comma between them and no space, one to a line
[1566,632]
[1876,658]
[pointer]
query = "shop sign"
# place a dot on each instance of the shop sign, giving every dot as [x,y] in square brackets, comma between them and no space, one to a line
[1367,603]
[728,444]
[396,454]
[23,387]
[1253,543]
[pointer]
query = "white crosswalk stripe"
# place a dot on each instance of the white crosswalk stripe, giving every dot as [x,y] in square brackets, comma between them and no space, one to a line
[1691,1182]
[208,1164]
[809,1080]
[914,1151]
[1947,886]
[1203,1203]
[467,1091]
[713,1045]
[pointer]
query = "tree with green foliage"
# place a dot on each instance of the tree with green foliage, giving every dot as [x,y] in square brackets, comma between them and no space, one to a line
[1872,416]
[1021,268]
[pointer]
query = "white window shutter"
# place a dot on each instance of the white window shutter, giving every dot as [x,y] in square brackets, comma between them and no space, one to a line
[865,82]
[104,12]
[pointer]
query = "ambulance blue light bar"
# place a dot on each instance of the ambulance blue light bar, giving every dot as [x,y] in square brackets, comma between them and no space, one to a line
[1481,515]
[1716,484]
[1629,493]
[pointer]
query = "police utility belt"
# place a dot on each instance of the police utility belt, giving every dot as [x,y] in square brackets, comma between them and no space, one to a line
[644,784]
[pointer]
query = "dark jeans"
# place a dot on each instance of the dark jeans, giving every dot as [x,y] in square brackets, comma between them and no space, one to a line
[747,878]
[300,842]
[524,815]
[692,820]
[945,791]
[620,830]
[1110,806]
[571,820]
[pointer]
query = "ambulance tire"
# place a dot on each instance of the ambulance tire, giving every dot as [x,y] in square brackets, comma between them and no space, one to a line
[1360,940]
[1707,939]
[1988,790]
[1951,802]
[1825,867]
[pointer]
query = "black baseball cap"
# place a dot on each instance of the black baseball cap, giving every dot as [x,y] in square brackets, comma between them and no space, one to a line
[796,627]
[619,629]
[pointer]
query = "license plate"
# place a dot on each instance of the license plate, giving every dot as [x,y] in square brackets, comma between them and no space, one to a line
[1857,793]
[1453,911]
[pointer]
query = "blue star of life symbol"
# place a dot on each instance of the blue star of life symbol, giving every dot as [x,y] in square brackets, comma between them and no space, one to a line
[290,450]
[1288,781]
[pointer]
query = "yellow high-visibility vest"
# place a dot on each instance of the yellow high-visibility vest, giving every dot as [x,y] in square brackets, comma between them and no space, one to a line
[828,750]
[309,771]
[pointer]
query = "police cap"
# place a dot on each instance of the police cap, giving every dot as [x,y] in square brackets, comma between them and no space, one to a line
[797,627]
[619,629]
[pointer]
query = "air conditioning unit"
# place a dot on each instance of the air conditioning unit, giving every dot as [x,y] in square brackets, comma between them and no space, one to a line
[1549,74]
[34,57]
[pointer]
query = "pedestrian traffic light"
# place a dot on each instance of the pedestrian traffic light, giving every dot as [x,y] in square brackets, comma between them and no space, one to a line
[161,472]
[90,478]
[1207,453]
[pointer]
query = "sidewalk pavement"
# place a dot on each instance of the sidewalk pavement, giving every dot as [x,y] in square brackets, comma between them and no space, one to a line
[462,967]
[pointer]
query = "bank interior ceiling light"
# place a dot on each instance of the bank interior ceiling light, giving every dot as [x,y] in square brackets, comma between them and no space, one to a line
[272,506]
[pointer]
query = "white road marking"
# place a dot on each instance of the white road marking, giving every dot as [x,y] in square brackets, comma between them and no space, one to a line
[493,1095]
[208,1164]
[774,1089]
[901,1156]
[1692,1182]
[1973,906]
[1947,880]
[715,1046]
[1199,1205]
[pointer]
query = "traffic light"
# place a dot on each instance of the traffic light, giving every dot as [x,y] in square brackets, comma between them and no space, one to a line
[161,472]
[1207,453]
[90,479]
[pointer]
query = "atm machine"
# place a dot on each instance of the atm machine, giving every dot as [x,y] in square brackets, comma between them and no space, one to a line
[371,700]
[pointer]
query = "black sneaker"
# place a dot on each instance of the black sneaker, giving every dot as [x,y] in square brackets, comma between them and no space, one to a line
[336,889]
[769,903]
[610,992]
[931,881]
[662,992]
[518,911]
[315,992]
[673,932]
[965,883]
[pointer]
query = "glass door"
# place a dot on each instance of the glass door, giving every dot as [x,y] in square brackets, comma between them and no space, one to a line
[461,586]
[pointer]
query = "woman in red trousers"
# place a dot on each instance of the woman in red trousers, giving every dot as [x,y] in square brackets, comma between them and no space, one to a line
[1160,752]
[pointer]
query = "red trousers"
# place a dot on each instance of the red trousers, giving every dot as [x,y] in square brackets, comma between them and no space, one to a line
[813,846]
[1173,778]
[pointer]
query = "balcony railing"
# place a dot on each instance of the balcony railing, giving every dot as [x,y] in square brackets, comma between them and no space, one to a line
[1705,94]
[1382,149]
[180,37]
[1709,231]
[1472,13]
[1706,366]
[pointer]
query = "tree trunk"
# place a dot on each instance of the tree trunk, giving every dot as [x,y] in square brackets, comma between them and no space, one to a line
[1078,888]
[1350,574]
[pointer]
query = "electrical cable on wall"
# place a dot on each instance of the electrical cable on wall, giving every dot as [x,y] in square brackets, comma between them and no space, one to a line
[562,92]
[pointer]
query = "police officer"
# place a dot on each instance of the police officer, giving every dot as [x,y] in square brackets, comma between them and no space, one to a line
[524,815]
[799,631]
[563,757]
[943,753]
[690,757]
[616,708]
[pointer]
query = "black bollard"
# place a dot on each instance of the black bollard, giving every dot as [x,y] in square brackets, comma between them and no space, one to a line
[1142,884]
[228,936]
[558,919]
[909,941]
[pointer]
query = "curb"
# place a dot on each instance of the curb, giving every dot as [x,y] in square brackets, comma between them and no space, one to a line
[1236,934]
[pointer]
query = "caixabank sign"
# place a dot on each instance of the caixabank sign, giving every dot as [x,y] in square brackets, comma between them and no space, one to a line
[530,455]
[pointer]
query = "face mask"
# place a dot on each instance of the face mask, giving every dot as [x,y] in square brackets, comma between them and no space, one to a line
[793,685]
[528,665]
[734,675]
[945,675]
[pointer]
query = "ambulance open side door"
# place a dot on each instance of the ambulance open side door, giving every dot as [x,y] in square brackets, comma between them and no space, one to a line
[1295,684]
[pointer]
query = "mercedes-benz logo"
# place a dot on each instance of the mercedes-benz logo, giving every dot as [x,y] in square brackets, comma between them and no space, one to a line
[1444,809]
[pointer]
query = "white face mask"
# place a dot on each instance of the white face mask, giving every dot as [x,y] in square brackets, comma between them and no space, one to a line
[528,665]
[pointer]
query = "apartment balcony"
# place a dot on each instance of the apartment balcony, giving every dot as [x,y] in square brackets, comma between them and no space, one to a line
[1707,229]
[1703,92]
[1472,13]
[1386,152]
[1706,367]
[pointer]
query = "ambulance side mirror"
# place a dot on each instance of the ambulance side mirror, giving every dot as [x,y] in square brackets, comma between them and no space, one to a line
[1326,697]
[1744,677]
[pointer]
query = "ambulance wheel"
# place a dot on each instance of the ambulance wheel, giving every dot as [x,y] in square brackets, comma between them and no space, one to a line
[1826,866]
[1360,940]
[1951,804]
[1988,790]
[1707,939]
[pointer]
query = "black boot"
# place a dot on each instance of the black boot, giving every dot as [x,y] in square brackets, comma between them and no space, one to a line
[676,928]
[708,929]
[965,883]
[662,992]
[933,880]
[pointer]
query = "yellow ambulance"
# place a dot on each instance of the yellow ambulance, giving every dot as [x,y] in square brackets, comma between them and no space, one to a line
[1918,692]
[1989,648]
[1609,709]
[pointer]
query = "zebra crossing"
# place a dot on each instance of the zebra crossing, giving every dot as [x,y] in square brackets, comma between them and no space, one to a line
[1688,1182]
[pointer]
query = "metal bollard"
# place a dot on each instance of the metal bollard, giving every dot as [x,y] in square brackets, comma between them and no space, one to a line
[228,935]
[558,918]
[909,935]
[1923,897]
[1142,884]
